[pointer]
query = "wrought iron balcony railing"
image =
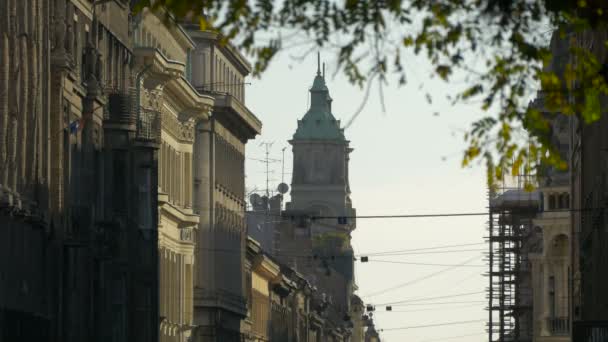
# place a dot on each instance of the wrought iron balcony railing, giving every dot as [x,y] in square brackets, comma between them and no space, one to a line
[149,125]
[590,331]
[559,325]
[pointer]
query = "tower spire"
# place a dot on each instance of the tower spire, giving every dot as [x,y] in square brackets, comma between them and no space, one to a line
[318,63]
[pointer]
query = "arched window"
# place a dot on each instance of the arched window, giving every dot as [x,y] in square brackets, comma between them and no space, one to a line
[552,200]
[564,201]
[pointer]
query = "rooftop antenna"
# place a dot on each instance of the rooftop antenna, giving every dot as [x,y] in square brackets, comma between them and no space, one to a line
[267,161]
[323,70]
[318,63]
[283,166]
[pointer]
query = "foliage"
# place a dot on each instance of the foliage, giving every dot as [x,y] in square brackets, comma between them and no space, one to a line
[370,39]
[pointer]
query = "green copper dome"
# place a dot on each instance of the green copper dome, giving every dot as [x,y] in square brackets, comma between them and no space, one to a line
[319,123]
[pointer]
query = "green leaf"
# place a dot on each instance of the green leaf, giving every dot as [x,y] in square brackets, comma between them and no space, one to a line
[591,110]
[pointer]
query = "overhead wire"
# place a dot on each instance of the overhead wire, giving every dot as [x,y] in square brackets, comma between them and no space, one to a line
[414,251]
[428,248]
[414,281]
[430,215]
[443,303]
[432,325]
[452,337]
[420,263]
[470,305]
[431,298]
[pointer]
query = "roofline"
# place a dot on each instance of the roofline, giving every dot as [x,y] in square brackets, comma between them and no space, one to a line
[174,27]
[229,50]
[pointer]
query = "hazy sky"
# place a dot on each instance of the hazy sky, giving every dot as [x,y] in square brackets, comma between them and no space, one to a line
[397,167]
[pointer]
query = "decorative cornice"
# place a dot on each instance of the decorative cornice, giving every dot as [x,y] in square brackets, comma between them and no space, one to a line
[235,116]
[183,218]
[220,299]
[266,267]
[181,131]
[189,102]
[227,50]
[161,69]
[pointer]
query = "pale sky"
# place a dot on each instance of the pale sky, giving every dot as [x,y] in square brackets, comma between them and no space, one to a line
[396,168]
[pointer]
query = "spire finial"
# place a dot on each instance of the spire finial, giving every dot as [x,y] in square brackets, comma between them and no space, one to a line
[318,63]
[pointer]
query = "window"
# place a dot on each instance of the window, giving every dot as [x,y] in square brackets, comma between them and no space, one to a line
[564,201]
[552,200]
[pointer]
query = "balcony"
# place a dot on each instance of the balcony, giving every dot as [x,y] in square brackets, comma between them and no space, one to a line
[559,326]
[186,234]
[233,113]
[590,331]
[148,125]
[120,108]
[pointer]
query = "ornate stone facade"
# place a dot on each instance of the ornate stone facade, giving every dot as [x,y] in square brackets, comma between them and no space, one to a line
[77,178]
[123,180]
[219,186]
[167,91]
[309,244]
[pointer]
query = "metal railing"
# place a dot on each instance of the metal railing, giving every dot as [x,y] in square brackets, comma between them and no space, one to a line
[590,331]
[120,107]
[186,234]
[559,325]
[148,125]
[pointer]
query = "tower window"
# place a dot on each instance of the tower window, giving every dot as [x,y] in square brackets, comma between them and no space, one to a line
[552,200]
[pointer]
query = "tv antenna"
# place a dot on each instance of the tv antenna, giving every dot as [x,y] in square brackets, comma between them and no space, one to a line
[283,166]
[267,160]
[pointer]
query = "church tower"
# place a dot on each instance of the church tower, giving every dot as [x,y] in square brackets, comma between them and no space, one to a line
[320,162]
[320,188]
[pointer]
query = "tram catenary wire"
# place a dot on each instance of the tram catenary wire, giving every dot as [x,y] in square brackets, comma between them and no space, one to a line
[431,325]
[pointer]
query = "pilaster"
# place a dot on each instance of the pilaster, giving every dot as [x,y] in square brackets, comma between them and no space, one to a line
[202,204]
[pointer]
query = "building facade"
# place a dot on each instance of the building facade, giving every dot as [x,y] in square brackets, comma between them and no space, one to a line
[122,185]
[162,51]
[284,306]
[220,303]
[320,187]
[77,174]
[567,243]
[550,240]
[589,226]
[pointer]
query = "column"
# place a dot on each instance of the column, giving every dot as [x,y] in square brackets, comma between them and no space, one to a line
[180,177]
[204,259]
[565,293]
[13,95]
[174,292]
[161,158]
[24,96]
[545,291]
[180,289]
[4,84]
[161,257]
[34,80]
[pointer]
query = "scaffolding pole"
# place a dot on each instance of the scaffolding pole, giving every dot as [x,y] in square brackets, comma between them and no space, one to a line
[510,218]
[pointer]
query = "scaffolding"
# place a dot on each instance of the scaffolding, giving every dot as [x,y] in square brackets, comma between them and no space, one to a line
[511,211]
